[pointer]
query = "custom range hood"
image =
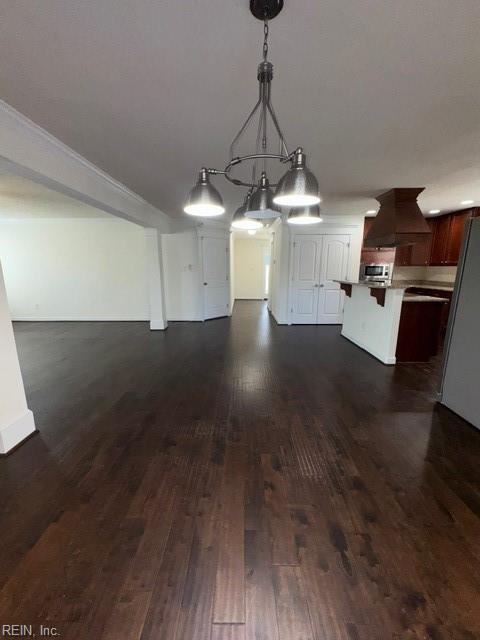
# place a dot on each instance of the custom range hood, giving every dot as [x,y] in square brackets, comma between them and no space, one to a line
[399,220]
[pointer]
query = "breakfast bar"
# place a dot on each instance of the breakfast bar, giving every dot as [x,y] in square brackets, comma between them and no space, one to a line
[390,323]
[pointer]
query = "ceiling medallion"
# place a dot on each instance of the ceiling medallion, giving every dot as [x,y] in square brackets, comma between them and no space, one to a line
[298,187]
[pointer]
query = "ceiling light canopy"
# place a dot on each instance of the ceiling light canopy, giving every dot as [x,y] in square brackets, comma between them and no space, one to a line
[304,215]
[204,200]
[297,188]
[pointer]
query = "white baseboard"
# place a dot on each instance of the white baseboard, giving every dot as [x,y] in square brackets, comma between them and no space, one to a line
[276,319]
[14,433]
[157,325]
[378,356]
[80,319]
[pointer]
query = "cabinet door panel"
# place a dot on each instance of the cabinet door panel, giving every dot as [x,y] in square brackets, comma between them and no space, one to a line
[420,254]
[403,256]
[455,237]
[440,240]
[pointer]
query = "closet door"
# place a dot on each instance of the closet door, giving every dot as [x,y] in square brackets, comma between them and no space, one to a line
[307,252]
[216,286]
[334,266]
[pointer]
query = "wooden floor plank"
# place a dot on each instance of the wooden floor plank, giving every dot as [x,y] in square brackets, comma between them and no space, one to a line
[228,632]
[230,579]
[282,534]
[292,610]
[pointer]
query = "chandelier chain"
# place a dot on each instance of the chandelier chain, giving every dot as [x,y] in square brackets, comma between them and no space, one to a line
[265,37]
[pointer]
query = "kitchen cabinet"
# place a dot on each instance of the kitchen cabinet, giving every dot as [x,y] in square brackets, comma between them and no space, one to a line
[448,236]
[420,252]
[419,333]
[436,293]
[416,255]
[455,237]
[403,256]
[441,230]
[442,247]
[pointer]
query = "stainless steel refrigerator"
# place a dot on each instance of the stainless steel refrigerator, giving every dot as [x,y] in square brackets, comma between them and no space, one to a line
[460,389]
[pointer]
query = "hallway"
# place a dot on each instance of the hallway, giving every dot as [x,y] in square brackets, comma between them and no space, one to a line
[236,480]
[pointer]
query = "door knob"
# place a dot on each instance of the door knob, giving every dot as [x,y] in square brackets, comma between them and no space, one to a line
[316,285]
[322,285]
[205,284]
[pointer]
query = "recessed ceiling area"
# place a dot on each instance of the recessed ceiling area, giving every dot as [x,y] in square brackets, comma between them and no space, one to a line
[381,94]
[22,198]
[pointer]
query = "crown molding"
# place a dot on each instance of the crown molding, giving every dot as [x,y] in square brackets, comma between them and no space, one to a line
[33,135]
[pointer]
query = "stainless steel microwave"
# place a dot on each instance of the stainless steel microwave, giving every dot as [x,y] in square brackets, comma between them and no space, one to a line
[376,272]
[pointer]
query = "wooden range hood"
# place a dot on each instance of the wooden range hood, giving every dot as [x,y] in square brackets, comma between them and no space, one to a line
[399,221]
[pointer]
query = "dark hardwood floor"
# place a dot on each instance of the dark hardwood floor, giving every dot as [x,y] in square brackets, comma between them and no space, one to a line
[236,480]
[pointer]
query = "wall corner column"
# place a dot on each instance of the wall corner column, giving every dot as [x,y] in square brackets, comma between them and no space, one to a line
[156,281]
[16,419]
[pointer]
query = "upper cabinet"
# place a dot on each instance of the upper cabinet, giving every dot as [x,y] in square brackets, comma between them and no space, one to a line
[442,247]
[447,238]
[440,240]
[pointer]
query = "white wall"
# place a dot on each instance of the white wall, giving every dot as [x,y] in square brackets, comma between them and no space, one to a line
[371,326]
[75,269]
[280,269]
[181,260]
[249,268]
[231,247]
[16,421]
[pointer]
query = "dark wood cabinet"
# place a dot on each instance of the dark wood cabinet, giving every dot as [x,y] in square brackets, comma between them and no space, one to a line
[420,253]
[440,248]
[448,236]
[403,256]
[455,237]
[419,333]
[441,230]
[436,293]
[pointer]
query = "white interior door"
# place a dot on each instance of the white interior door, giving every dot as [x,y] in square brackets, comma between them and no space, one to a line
[307,252]
[334,266]
[216,284]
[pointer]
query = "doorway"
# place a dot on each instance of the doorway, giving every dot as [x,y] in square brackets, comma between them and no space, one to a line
[251,266]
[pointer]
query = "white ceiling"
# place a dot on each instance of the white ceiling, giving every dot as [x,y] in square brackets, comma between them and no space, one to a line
[381,93]
[21,198]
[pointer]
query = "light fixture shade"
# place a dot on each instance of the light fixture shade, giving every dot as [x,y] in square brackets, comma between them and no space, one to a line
[298,187]
[261,204]
[204,200]
[304,215]
[239,220]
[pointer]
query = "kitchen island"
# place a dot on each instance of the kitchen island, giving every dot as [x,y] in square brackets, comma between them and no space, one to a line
[388,322]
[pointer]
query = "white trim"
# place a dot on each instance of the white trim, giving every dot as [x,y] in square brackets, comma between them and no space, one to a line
[14,433]
[277,320]
[29,151]
[388,360]
[80,319]
[37,130]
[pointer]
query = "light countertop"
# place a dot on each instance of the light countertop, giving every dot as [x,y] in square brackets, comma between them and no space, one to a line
[403,284]
[415,297]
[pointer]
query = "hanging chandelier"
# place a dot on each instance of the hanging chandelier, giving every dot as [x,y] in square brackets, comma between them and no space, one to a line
[298,187]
